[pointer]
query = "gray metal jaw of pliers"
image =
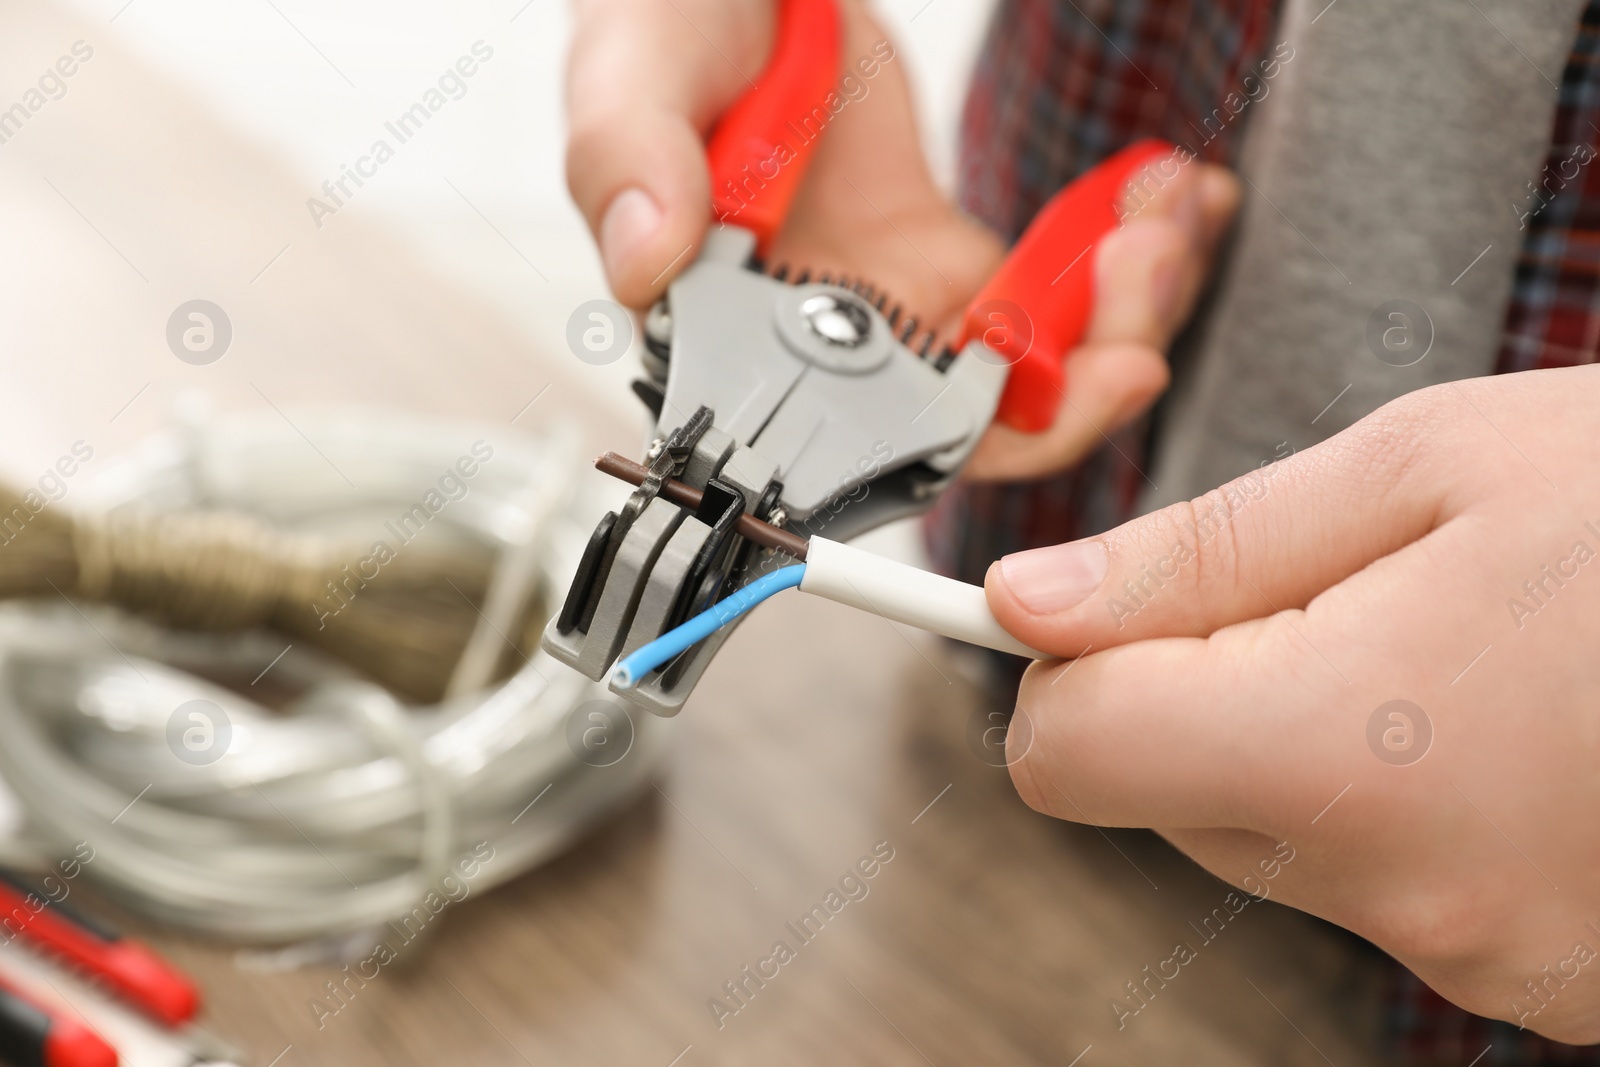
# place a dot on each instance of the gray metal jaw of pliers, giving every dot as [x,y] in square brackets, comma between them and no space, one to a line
[796,403]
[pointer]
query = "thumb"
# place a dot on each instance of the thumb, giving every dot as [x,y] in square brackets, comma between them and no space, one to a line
[1266,542]
[642,185]
[643,85]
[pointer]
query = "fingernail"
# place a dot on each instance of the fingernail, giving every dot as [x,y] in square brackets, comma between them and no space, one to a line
[630,221]
[1048,580]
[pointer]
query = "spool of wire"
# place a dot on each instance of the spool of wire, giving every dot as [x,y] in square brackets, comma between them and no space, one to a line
[304,801]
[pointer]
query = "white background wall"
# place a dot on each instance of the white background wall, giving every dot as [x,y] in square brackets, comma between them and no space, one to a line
[315,81]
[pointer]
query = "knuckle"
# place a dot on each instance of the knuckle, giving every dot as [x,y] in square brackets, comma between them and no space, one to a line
[1029,778]
[1398,436]
[1044,793]
[1382,457]
[1042,746]
[1059,760]
[1166,235]
[1190,545]
[1430,927]
[1025,779]
[1160,376]
[592,134]
[1224,181]
[609,148]
[586,140]
[1215,540]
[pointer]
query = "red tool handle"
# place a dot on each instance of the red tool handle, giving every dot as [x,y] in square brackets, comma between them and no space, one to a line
[71,1044]
[760,147]
[1037,306]
[30,1036]
[128,967]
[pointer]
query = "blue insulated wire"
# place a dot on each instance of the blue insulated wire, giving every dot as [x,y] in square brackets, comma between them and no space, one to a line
[640,662]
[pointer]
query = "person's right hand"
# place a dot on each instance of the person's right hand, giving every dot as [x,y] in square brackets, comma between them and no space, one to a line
[646,82]
[1287,668]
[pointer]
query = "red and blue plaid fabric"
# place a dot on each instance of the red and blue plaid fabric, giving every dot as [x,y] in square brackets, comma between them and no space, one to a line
[1429,1031]
[1554,317]
[1060,85]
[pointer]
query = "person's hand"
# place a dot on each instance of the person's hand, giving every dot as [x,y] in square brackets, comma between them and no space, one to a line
[1237,656]
[1148,275]
[646,83]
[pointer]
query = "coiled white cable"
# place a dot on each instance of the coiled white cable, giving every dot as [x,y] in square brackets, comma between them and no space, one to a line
[343,809]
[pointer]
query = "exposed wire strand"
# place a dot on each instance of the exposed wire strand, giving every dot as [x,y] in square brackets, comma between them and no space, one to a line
[630,669]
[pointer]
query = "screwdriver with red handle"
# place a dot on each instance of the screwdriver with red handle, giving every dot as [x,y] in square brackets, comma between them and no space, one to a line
[131,969]
[33,1036]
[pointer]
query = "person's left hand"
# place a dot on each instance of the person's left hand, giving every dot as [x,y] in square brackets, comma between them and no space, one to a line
[1238,658]
[1149,273]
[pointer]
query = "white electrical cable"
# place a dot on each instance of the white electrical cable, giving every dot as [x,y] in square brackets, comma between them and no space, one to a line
[847,576]
[906,594]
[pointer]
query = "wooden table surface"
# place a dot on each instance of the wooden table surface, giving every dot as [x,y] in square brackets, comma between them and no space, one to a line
[993,936]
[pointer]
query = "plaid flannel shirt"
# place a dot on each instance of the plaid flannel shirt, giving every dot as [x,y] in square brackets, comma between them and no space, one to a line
[1060,85]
